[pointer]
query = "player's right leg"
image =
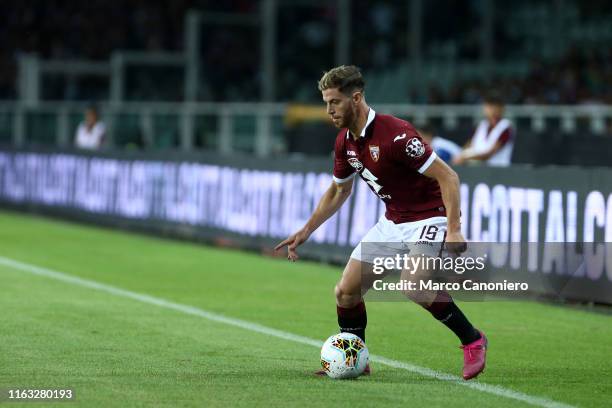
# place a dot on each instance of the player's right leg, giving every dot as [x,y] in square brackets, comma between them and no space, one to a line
[350,307]
[355,281]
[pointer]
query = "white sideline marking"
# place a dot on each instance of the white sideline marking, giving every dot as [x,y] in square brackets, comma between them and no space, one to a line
[426,372]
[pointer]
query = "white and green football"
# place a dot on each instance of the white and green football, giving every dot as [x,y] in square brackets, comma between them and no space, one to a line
[344,355]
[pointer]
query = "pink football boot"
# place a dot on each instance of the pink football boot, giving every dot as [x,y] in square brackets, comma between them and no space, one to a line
[474,357]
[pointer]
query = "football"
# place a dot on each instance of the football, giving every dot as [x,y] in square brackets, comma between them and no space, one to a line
[344,355]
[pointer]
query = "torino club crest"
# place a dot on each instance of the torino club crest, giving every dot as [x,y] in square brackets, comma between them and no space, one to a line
[415,148]
[375,152]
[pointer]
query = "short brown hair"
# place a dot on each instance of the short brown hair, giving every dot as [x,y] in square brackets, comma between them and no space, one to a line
[347,78]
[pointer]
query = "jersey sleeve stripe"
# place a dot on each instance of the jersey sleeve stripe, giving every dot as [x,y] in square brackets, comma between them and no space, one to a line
[344,180]
[426,165]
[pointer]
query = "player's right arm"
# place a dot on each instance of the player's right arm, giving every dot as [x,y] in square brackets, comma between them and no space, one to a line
[331,201]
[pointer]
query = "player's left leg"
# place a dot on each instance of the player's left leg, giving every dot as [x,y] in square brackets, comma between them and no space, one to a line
[442,306]
[474,342]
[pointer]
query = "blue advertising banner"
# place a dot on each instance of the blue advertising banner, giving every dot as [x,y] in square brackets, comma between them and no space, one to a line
[255,203]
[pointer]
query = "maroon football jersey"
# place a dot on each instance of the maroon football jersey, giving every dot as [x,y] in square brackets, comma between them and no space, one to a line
[390,157]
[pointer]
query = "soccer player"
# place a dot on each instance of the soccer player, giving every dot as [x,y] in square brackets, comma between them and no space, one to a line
[421,194]
[493,140]
[91,133]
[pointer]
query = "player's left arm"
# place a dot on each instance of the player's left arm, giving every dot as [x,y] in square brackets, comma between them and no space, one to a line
[448,180]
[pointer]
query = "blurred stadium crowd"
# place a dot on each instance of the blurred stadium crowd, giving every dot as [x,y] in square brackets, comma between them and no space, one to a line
[568,62]
[578,77]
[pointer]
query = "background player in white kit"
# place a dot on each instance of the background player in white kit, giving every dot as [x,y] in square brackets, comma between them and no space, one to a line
[91,132]
[493,140]
[421,195]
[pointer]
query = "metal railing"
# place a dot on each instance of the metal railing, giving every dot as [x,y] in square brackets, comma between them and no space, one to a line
[222,118]
[223,123]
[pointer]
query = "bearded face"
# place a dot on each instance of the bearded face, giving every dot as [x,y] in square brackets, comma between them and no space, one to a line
[341,108]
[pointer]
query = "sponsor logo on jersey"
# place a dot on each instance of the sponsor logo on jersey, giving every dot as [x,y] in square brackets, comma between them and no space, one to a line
[415,148]
[351,153]
[375,152]
[399,137]
[357,165]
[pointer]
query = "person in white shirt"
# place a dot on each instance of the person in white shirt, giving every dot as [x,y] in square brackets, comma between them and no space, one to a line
[446,149]
[91,132]
[493,140]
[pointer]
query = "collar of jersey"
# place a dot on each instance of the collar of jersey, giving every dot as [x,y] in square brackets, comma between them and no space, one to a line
[371,115]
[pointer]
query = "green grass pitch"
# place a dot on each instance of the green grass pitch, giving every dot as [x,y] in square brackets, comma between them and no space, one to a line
[117,351]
